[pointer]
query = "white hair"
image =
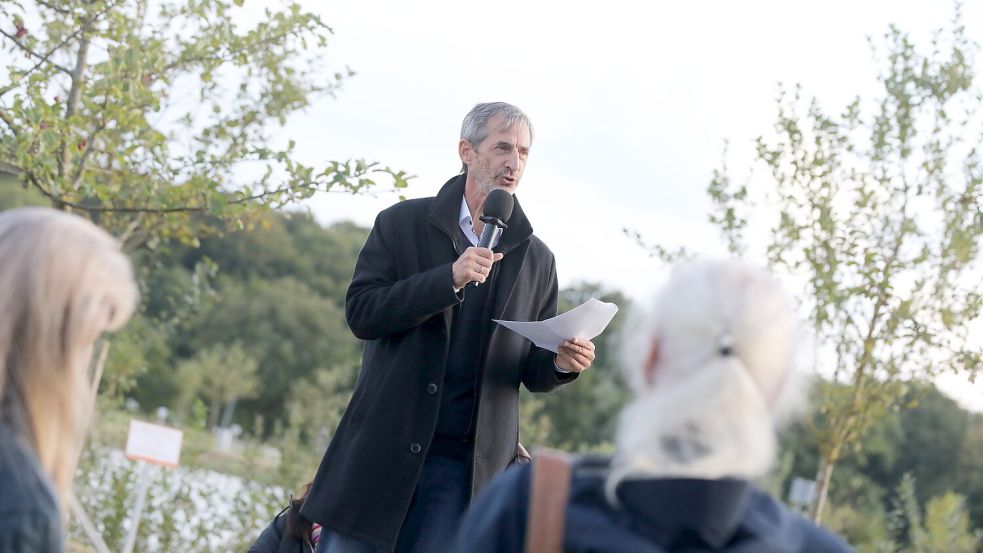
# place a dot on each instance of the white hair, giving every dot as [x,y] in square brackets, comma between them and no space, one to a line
[724,334]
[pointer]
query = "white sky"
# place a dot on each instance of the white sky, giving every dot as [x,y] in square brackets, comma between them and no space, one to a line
[631,102]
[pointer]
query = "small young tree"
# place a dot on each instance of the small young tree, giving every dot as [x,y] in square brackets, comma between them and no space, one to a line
[147,115]
[222,374]
[878,211]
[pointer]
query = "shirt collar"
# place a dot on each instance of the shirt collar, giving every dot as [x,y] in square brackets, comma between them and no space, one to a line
[467,224]
[447,203]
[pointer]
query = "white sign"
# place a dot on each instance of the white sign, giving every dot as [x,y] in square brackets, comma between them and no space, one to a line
[802,492]
[154,443]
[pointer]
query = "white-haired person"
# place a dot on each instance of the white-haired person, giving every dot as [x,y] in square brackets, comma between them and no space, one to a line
[63,282]
[712,374]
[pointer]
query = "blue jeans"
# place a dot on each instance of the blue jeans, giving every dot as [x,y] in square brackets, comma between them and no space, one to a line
[440,499]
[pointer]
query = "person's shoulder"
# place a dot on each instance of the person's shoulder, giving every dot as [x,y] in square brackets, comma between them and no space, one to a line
[506,496]
[403,208]
[817,539]
[496,520]
[269,540]
[537,245]
[29,516]
[796,533]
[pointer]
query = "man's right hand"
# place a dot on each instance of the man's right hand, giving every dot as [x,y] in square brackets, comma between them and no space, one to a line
[474,265]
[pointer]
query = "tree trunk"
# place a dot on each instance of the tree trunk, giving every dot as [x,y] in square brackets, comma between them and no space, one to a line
[823,477]
[74,100]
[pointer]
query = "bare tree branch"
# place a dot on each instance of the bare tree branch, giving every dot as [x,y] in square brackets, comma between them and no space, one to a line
[228,56]
[46,58]
[53,8]
[56,201]
[179,208]
[132,227]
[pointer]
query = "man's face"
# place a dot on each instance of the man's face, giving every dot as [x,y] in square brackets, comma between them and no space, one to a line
[499,160]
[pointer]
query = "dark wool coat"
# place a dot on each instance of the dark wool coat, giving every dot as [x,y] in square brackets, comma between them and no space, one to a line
[401,302]
[655,515]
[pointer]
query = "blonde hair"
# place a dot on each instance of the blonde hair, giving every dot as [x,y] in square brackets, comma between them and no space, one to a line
[724,334]
[63,281]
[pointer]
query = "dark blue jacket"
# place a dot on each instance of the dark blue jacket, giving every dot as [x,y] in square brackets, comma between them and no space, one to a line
[29,517]
[655,516]
[276,539]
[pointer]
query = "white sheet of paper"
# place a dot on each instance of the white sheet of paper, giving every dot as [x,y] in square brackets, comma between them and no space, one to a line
[587,320]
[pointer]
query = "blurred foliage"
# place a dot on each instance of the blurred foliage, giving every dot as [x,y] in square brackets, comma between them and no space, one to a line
[910,458]
[222,374]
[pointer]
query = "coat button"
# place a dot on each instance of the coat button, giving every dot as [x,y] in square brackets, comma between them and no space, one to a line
[431,388]
[415,448]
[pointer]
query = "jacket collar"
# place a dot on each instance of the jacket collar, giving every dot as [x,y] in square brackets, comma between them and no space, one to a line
[682,512]
[447,206]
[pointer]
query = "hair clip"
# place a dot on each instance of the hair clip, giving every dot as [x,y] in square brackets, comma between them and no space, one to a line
[725,345]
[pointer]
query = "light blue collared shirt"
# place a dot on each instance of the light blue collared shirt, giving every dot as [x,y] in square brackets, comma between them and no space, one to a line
[467,225]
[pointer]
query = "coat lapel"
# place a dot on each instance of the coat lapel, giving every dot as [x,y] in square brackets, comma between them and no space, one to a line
[508,276]
[514,244]
[444,226]
[444,236]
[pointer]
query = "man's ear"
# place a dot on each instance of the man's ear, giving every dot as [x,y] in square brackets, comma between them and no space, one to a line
[651,360]
[465,151]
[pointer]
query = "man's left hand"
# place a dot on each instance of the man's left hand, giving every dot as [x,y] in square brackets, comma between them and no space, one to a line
[575,355]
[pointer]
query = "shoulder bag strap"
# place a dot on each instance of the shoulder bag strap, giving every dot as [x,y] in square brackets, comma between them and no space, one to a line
[550,491]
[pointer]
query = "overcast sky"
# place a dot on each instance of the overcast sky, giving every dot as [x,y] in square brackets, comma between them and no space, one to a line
[631,102]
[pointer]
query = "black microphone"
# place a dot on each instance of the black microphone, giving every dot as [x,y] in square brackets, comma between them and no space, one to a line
[495,214]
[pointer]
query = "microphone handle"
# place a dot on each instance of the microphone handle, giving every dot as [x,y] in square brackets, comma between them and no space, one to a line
[489,235]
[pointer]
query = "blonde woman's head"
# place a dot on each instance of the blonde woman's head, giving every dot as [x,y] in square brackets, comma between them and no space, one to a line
[712,368]
[63,282]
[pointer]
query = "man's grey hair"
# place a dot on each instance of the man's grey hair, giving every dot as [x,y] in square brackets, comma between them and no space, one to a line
[474,129]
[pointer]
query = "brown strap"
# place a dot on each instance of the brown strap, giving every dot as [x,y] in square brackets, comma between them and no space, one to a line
[548,502]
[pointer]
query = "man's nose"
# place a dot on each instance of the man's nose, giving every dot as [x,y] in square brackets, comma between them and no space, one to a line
[513,161]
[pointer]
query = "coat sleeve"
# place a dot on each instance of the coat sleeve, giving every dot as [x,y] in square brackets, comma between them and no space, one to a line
[269,540]
[379,302]
[496,521]
[540,374]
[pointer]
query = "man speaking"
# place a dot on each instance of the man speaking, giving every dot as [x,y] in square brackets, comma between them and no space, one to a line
[435,411]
